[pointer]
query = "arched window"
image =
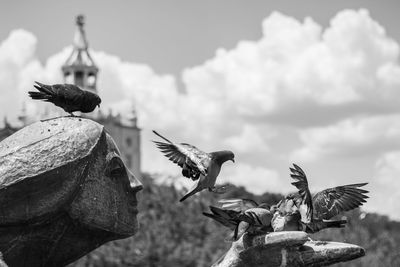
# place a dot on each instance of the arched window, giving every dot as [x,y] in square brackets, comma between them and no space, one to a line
[79,78]
[91,80]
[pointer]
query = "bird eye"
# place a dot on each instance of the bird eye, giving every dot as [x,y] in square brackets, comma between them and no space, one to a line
[115,167]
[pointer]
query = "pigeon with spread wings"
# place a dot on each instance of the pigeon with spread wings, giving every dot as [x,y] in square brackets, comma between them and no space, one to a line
[287,217]
[317,211]
[66,96]
[197,165]
[241,216]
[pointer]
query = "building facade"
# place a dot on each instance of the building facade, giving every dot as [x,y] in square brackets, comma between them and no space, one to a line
[80,69]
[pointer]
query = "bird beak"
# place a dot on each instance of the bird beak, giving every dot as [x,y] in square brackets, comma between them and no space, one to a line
[98,105]
[233,160]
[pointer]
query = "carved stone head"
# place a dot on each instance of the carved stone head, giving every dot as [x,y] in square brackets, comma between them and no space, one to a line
[68,173]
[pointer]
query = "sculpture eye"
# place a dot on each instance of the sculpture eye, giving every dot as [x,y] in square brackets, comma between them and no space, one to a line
[116,167]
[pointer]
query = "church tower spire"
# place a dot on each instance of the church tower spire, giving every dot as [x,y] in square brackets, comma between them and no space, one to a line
[79,68]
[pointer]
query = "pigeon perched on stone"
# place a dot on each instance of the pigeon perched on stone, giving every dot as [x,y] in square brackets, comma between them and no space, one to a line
[241,216]
[66,96]
[288,218]
[316,211]
[197,165]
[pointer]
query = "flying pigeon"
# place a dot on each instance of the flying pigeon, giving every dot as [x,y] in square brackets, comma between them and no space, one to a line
[315,212]
[241,216]
[197,165]
[66,96]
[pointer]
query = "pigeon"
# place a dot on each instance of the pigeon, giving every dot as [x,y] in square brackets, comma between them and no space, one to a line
[251,219]
[66,96]
[288,217]
[316,211]
[241,216]
[197,165]
[283,216]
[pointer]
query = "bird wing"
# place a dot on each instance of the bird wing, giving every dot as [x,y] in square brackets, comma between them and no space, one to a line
[228,218]
[200,158]
[259,216]
[301,184]
[192,160]
[68,93]
[66,96]
[238,204]
[332,201]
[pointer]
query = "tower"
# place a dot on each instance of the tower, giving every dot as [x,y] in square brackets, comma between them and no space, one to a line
[79,68]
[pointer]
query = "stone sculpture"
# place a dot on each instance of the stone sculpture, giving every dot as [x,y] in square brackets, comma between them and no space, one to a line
[289,248]
[64,191]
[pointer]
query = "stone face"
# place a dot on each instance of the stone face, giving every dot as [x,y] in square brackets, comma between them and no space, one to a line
[64,191]
[105,201]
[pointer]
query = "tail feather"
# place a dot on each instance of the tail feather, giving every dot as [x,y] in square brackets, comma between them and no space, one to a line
[39,95]
[45,92]
[44,88]
[189,194]
[224,221]
[314,227]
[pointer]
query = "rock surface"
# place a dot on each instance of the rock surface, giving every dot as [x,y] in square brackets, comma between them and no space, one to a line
[289,248]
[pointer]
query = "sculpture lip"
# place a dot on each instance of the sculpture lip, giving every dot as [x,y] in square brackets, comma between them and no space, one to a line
[133,206]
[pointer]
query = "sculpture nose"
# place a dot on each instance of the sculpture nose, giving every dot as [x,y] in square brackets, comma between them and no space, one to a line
[135,184]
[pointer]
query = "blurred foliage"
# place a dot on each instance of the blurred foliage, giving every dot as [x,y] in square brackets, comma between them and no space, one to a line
[177,234]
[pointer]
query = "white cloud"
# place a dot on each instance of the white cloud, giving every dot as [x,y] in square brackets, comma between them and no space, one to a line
[17,61]
[297,65]
[257,180]
[353,136]
[249,140]
[385,195]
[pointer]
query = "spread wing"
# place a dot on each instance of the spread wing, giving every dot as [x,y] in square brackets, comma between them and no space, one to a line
[331,202]
[228,218]
[301,184]
[192,160]
[238,204]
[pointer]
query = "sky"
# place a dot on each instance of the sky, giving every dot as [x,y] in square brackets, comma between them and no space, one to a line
[273,81]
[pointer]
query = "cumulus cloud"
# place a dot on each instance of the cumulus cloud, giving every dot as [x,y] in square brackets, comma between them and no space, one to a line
[350,137]
[256,179]
[17,62]
[250,140]
[385,196]
[297,65]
